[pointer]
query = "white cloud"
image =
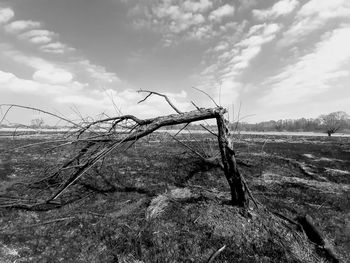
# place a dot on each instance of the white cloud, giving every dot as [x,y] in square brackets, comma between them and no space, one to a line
[55,48]
[6,14]
[313,73]
[247,4]
[249,47]
[21,25]
[33,62]
[281,8]
[202,32]
[126,101]
[228,92]
[230,57]
[11,82]
[44,70]
[97,72]
[51,72]
[197,6]
[222,12]
[179,20]
[325,9]
[53,76]
[260,35]
[312,16]
[38,36]
[31,31]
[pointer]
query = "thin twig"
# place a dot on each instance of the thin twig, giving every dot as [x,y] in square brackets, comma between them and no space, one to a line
[188,147]
[39,110]
[216,253]
[208,130]
[207,95]
[161,95]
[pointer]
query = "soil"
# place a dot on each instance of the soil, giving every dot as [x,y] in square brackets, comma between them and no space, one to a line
[157,202]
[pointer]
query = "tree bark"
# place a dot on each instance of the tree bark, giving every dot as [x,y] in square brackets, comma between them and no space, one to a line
[233,176]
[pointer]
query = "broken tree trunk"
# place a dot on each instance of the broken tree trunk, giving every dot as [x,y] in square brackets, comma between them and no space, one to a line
[233,176]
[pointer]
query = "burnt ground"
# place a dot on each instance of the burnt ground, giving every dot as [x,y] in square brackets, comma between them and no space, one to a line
[132,208]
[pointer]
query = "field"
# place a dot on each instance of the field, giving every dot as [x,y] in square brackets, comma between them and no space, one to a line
[157,202]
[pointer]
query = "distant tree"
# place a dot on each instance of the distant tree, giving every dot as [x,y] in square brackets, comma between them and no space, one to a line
[334,121]
[279,125]
[37,123]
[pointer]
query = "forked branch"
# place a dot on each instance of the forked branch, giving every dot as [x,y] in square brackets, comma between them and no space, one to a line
[150,93]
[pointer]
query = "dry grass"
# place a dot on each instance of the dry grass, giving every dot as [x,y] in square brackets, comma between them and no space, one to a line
[178,224]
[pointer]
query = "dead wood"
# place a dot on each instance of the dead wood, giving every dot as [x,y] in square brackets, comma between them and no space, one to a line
[216,253]
[314,235]
[233,176]
[105,139]
[150,93]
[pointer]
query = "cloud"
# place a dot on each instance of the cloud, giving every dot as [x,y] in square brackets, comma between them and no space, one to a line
[228,92]
[281,8]
[248,48]
[6,14]
[63,72]
[313,73]
[21,25]
[247,4]
[11,82]
[222,12]
[32,32]
[230,57]
[34,62]
[197,6]
[177,20]
[55,48]
[53,76]
[38,36]
[44,70]
[97,72]
[89,101]
[259,35]
[98,101]
[312,16]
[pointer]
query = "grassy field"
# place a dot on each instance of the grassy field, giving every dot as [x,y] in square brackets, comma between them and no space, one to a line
[157,202]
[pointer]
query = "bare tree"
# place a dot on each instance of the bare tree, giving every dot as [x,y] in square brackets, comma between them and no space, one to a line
[334,121]
[97,139]
[36,123]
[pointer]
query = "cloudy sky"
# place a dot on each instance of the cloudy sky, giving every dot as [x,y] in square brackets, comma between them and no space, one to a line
[278,59]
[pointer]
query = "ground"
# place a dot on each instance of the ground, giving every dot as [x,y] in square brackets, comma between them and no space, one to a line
[157,202]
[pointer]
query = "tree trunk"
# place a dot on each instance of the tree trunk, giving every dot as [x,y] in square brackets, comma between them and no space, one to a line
[234,178]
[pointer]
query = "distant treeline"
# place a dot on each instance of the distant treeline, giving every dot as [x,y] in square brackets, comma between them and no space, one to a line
[298,125]
[333,122]
[330,123]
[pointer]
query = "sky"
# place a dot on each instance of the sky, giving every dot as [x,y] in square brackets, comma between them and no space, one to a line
[263,60]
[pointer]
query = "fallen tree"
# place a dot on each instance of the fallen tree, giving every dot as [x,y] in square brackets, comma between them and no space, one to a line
[100,138]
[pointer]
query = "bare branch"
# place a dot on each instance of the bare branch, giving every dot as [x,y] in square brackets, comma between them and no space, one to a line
[142,131]
[188,147]
[161,95]
[207,95]
[39,110]
[208,130]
